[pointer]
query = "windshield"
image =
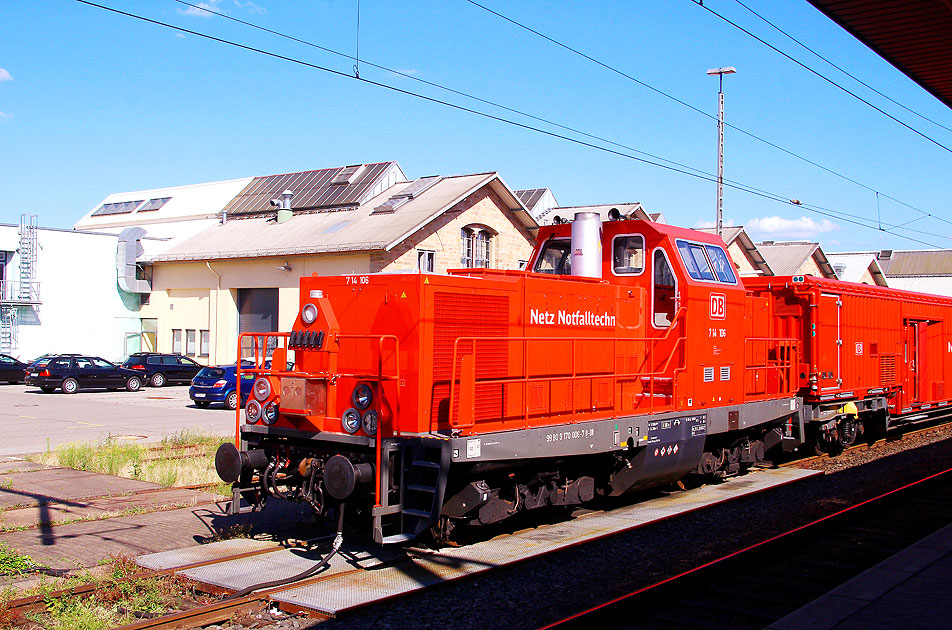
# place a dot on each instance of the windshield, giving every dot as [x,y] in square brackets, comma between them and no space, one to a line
[555,258]
[211,372]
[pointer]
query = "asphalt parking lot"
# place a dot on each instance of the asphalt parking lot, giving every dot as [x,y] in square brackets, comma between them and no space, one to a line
[31,421]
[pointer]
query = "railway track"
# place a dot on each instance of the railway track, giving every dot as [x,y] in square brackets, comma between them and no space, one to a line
[756,585]
[263,600]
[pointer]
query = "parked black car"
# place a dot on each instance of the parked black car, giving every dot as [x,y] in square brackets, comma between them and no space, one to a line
[11,370]
[72,372]
[157,369]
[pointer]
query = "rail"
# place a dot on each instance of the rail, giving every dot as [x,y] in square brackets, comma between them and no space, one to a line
[332,374]
[464,370]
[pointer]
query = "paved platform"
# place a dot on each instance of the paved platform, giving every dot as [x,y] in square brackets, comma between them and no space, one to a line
[911,590]
[366,574]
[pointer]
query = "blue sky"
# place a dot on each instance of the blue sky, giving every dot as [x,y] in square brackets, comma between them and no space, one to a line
[93,103]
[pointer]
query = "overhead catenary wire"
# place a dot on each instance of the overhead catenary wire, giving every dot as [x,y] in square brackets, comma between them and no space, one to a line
[750,190]
[841,69]
[701,4]
[696,109]
[737,185]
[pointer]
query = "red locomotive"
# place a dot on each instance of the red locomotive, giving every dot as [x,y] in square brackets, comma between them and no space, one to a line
[629,354]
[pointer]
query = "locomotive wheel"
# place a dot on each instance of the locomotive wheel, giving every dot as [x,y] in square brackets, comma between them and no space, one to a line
[158,379]
[70,386]
[134,384]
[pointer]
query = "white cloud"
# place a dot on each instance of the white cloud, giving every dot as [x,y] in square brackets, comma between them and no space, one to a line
[5,115]
[787,229]
[251,6]
[212,5]
[216,6]
[5,75]
[700,225]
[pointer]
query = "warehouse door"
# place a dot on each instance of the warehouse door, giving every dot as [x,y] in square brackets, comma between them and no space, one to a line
[829,341]
[257,312]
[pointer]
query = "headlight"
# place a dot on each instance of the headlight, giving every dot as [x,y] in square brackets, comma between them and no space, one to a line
[262,388]
[351,420]
[369,422]
[270,413]
[308,313]
[252,411]
[362,396]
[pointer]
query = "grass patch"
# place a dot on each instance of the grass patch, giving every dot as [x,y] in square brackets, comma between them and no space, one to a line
[184,459]
[12,562]
[114,601]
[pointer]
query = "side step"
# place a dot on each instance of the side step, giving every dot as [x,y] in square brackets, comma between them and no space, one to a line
[415,473]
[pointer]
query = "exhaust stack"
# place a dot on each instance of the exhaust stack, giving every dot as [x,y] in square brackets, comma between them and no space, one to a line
[587,245]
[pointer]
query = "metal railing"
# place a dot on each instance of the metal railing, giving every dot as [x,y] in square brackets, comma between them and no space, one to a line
[649,379]
[771,365]
[264,349]
[15,291]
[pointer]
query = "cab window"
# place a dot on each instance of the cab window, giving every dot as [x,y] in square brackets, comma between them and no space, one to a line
[555,258]
[695,261]
[721,263]
[664,289]
[628,254]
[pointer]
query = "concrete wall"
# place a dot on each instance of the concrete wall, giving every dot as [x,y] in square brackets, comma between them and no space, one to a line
[82,309]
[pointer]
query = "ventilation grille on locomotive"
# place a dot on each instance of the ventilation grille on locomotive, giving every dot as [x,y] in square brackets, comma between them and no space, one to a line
[458,315]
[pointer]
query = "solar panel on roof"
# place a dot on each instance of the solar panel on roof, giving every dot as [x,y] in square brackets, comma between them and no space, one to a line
[119,207]
[154,204]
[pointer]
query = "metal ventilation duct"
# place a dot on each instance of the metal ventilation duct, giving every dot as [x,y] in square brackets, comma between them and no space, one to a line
[129,250]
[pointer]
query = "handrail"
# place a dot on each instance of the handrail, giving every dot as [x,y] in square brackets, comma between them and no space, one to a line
[330,376]
[525,379]
[784,367]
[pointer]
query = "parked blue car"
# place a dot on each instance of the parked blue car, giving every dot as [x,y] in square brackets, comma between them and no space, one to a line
[219,385]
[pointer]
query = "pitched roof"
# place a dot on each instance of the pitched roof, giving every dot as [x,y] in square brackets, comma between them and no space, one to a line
[916,263]
[627,210]
[739,234]
[176,203]
[787,258]
[378,224]
[325,188]
[852,267]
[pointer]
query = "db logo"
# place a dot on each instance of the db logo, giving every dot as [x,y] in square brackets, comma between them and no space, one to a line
[718,306]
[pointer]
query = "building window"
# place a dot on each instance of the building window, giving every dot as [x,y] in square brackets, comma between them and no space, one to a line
[190,343]
[475,246]
[426,260]
[177,340]
[204,342]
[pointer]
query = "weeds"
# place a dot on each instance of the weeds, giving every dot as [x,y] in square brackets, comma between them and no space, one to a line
[116,599]
[12,562]
[185,458]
